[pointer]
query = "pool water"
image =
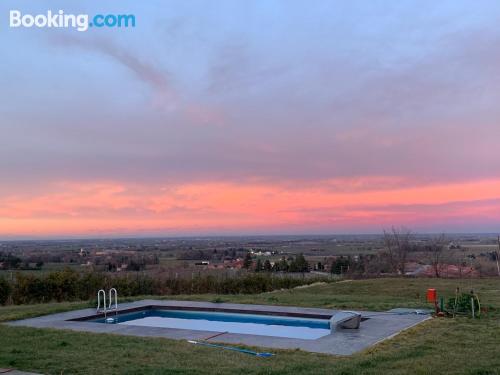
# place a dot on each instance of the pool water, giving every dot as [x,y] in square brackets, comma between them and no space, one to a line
[265,325]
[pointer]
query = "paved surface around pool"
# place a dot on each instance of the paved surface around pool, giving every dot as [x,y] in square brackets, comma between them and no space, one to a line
[378,327]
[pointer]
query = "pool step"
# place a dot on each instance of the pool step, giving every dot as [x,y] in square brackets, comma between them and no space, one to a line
[345,320]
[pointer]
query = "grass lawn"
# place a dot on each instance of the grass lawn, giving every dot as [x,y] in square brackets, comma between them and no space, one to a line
[438,346]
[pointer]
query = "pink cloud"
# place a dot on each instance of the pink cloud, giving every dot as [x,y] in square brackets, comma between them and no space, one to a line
[218,207]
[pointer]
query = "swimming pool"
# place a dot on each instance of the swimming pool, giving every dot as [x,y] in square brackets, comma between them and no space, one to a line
[264,325]
[376,326]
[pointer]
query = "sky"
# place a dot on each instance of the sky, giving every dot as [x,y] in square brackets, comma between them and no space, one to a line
[251,117]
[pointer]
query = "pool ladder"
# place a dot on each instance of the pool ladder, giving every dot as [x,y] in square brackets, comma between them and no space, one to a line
[113,302]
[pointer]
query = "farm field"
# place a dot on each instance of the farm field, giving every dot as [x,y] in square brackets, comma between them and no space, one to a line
[439,346]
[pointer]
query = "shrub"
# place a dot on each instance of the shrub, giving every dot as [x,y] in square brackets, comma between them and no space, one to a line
[4,291]
[463,304]
[69,285]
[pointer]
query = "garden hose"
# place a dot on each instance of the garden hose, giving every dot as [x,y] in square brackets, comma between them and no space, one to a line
[233,348]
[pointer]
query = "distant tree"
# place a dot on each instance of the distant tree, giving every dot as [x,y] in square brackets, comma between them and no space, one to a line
[340,265]
[497,255]
[376,264]
[398,244]
[282,265]
[267,266]
[10,261]
[302,264]
[135,265]
[359,266]
[258,266]
[247,262]
[111,267]
[5,290]
[436,248]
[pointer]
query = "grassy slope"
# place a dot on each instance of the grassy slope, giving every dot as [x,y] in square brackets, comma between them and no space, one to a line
[460,346]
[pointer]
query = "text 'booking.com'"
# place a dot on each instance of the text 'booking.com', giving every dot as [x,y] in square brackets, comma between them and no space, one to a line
[79,22]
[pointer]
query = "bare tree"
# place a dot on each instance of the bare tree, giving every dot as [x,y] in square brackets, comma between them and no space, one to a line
[497,253]
[391,252]
[398,243]
[436,248]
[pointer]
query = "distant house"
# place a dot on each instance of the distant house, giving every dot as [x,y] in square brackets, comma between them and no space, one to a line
[261,253]
[238,263]
[123,267]
[444,270]
[214,266]
[231,263]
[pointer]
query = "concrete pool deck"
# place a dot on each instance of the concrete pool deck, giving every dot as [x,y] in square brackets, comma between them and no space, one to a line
[377,327]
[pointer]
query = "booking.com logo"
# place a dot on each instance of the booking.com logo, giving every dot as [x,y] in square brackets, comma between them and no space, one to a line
[80,22]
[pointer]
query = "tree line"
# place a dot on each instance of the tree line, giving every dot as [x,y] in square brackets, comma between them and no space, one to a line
[290,264]
[69,285]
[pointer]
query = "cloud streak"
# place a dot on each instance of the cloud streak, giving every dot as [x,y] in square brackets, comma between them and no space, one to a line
[147,73]
[212,208]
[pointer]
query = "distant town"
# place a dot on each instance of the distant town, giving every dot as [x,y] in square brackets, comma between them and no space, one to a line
[457,255]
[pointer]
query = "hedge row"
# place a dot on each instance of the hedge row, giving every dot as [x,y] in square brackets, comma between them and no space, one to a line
[69,285]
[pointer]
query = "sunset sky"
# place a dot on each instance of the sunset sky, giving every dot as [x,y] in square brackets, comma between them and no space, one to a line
[251,117]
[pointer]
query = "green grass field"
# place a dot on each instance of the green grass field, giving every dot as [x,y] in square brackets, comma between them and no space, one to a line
[438,346]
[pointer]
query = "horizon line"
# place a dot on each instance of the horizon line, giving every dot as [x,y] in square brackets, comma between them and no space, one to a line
[211,236]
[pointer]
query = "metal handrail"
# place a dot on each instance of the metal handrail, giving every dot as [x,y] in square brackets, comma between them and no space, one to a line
[111,307]
[101,291]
